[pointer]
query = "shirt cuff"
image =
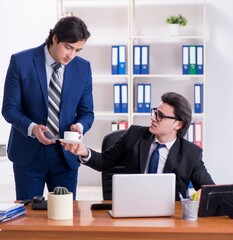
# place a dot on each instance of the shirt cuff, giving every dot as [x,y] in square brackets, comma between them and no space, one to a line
[80,127]
[83,160]
[30,134]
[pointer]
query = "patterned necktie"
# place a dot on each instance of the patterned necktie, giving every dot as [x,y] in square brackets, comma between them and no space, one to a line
[154,159]
[54,95]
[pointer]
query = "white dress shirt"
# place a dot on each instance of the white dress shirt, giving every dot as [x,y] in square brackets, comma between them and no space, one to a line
[163,153]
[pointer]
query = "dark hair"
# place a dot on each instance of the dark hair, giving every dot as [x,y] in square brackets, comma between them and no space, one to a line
[182,110]
[69,29]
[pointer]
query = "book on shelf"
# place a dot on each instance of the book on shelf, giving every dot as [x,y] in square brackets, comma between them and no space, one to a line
[194,133]
[193,59]
[120,93]
[119,125]
[141,59]
[143,97]
[198,98]
[119,59]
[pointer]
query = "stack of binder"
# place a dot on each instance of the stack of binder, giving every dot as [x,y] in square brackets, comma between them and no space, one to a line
[141,57]
[119,59]
[192,59]
[122,124]
[194,133]
[143,97]
[11,211]
[120,92]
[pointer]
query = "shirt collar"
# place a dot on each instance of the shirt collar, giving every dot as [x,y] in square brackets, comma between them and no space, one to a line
[168,144]
[48,58]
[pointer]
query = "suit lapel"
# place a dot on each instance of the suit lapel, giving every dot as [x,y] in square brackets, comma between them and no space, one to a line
[67,81]
[70,81]
[173,157]
[144,150]
[39,61]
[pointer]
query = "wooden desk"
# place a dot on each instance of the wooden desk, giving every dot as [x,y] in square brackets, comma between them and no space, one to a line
[97,224]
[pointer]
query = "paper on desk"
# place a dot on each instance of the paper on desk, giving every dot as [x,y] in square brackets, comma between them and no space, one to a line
[9,206]
[11,210]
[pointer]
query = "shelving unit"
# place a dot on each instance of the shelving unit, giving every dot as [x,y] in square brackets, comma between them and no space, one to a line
[133,22]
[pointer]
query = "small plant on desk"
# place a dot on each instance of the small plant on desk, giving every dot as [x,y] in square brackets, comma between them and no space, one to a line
[60,190]
[60,204]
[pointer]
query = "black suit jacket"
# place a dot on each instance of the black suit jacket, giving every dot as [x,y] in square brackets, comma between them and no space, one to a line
[184,158]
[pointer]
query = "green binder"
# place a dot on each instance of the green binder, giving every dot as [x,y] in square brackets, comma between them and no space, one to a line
[192,59]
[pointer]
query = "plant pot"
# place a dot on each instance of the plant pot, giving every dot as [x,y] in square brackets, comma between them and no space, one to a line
[60,207]
[174,29]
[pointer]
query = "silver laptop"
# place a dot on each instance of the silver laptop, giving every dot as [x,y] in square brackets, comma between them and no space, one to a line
[143,195]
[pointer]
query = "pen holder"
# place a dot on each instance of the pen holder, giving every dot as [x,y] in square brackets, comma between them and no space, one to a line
[189,209]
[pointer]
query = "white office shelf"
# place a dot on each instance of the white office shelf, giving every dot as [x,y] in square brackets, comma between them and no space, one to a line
[178,76]
[110,114]
[168,38]
[132,22]
[107,79]
[195,115]
[103,40]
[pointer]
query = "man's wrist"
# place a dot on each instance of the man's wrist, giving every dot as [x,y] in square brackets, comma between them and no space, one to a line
[84,159]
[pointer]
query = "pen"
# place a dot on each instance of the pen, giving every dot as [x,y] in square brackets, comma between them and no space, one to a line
[194,197]
[181,197]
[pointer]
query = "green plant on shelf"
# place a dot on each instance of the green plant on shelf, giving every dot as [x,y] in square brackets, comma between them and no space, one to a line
[179,19]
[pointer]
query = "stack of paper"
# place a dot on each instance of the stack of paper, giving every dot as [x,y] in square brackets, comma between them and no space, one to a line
[9,211]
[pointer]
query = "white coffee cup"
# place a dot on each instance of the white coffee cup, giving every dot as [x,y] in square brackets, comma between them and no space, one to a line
[72,136]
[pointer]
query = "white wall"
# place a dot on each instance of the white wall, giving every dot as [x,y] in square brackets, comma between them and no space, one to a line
[26,23]
[23,24]
[219,90]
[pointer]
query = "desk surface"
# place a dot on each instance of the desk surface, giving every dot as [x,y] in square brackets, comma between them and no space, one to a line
[98,224]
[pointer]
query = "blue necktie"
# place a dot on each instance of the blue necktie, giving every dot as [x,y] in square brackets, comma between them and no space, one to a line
[154,159]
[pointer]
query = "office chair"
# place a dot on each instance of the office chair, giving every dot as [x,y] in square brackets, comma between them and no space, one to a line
[108,141]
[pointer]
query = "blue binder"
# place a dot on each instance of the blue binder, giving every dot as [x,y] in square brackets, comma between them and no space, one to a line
[122,59]
[117,97]
[124,98]
[115,67]
[136,59]
[145,56]
[140,97]
[147,97]
[185,59]
[198,97]
[200,59]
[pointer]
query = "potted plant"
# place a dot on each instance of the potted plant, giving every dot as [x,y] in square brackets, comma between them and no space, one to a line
[175,22]
[60,204]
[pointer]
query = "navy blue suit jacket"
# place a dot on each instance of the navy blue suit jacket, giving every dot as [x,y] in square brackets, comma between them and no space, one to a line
[26,100]
[184,158]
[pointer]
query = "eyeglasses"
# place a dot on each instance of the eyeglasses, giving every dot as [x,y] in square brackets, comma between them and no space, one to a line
[159,116]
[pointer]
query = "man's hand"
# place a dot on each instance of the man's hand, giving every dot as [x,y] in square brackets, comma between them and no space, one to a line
[75,128]
[76,149]
[38,131]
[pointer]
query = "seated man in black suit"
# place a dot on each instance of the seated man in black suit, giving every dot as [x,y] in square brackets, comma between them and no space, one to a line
[169,124]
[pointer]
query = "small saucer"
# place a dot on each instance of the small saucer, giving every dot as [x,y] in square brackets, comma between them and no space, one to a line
[70,141]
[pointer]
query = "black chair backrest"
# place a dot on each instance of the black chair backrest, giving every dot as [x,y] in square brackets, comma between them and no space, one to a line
[108,141]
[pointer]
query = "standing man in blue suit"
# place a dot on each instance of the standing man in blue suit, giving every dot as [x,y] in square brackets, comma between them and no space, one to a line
[38,159]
